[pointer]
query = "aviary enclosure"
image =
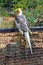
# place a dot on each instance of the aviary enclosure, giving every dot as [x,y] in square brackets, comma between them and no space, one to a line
[12,43]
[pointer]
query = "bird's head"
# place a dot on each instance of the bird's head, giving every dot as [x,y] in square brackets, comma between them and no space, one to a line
[19,11]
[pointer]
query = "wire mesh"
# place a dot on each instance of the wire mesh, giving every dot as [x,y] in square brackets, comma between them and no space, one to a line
[14,52]
[12,45]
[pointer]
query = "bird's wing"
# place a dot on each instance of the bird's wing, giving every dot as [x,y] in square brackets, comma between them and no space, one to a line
[17,24]
[21,19]
[23,22]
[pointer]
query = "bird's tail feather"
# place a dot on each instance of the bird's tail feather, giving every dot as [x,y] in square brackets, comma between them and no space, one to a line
[27,37]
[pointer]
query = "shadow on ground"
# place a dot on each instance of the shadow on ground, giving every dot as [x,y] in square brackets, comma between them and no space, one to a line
[14,54]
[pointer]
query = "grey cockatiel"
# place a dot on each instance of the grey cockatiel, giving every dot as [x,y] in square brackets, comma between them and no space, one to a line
[21,24]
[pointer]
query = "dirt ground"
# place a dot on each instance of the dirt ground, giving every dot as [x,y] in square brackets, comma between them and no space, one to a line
[21,55]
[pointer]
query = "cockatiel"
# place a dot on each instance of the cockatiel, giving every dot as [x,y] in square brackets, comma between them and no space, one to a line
[22,25]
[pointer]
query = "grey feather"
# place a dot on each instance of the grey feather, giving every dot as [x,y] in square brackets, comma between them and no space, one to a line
[22,21]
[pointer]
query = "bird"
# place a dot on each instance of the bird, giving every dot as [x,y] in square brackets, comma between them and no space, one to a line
[21,24]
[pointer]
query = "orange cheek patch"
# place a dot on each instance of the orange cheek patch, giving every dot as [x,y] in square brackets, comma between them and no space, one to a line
[18,11]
